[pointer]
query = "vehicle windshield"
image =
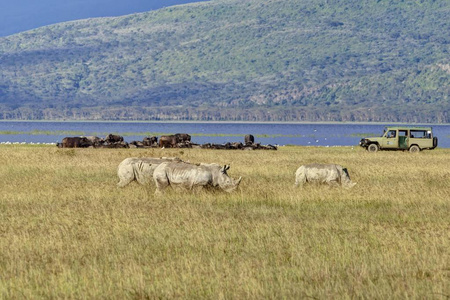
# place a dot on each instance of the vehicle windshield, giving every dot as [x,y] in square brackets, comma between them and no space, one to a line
[391,134]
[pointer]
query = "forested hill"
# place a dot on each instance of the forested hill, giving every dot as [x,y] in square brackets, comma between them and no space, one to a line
[255,60]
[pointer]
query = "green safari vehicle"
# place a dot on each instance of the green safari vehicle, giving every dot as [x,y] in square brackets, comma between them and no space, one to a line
[413,139]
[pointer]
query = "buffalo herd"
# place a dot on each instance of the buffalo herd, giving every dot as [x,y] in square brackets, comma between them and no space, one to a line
[110,141]
[179,140]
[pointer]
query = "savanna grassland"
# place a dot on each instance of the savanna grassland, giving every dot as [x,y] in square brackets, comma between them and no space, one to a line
[66,231]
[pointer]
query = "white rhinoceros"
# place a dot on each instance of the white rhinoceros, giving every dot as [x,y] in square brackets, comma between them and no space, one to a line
[193,177]
[331,174]
[140,169]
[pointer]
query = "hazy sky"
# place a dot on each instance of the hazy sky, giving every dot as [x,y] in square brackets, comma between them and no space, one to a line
[21,15]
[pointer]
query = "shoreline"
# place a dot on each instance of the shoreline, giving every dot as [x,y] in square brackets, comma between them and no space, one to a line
[226,122]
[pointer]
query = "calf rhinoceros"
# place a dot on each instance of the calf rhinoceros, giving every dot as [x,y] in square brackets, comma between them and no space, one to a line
[140,169]
[331,174]
[193,177]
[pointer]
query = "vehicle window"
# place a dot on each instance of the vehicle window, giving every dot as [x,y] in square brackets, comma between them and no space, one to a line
[420,134]
[391,134]
[402,133]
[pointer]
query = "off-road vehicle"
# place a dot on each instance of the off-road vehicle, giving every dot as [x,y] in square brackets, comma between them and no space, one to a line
[413,139]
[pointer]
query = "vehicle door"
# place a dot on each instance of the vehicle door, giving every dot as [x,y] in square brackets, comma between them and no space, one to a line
[390,139]
[403,141]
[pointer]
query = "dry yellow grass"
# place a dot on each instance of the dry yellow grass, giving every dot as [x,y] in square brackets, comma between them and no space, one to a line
[66,231]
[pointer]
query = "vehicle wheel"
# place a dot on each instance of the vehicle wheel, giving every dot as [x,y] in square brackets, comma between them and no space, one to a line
[414,149]
[435,142]
[373,148]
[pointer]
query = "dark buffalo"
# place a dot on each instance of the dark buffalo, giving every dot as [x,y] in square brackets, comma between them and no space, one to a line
[219,146]
[183,137]
[95,140]
[74,142]
[168,141]
[179,140]
[236,145]
[249,139]
[136,144]
[116,145]
[184,145]
[150,141]
[112,138]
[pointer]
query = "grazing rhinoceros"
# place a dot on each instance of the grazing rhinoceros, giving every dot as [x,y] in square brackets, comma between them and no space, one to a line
[331,174]
[140,169]
[193,177]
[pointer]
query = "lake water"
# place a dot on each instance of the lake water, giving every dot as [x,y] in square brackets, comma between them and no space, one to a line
[306,134]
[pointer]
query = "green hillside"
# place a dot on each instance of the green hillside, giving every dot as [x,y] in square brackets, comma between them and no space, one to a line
[256,60]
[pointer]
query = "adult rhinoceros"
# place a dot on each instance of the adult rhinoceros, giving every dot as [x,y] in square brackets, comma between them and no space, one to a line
[140,169]
[331,174]
[193,177]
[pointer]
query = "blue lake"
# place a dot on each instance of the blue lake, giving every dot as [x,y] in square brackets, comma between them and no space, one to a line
[306,134]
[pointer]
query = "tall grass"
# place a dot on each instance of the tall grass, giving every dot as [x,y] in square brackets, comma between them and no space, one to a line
[66,231]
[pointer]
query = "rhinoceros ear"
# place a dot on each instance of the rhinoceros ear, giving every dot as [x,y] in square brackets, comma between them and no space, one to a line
[225,168]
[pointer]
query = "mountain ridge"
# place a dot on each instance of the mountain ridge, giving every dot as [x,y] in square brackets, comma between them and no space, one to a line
[24,15]
[255,61]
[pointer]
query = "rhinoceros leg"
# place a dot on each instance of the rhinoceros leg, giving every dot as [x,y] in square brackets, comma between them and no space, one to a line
[161,182]
[333,182]
[125,174]
[143,173]
[300,177]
